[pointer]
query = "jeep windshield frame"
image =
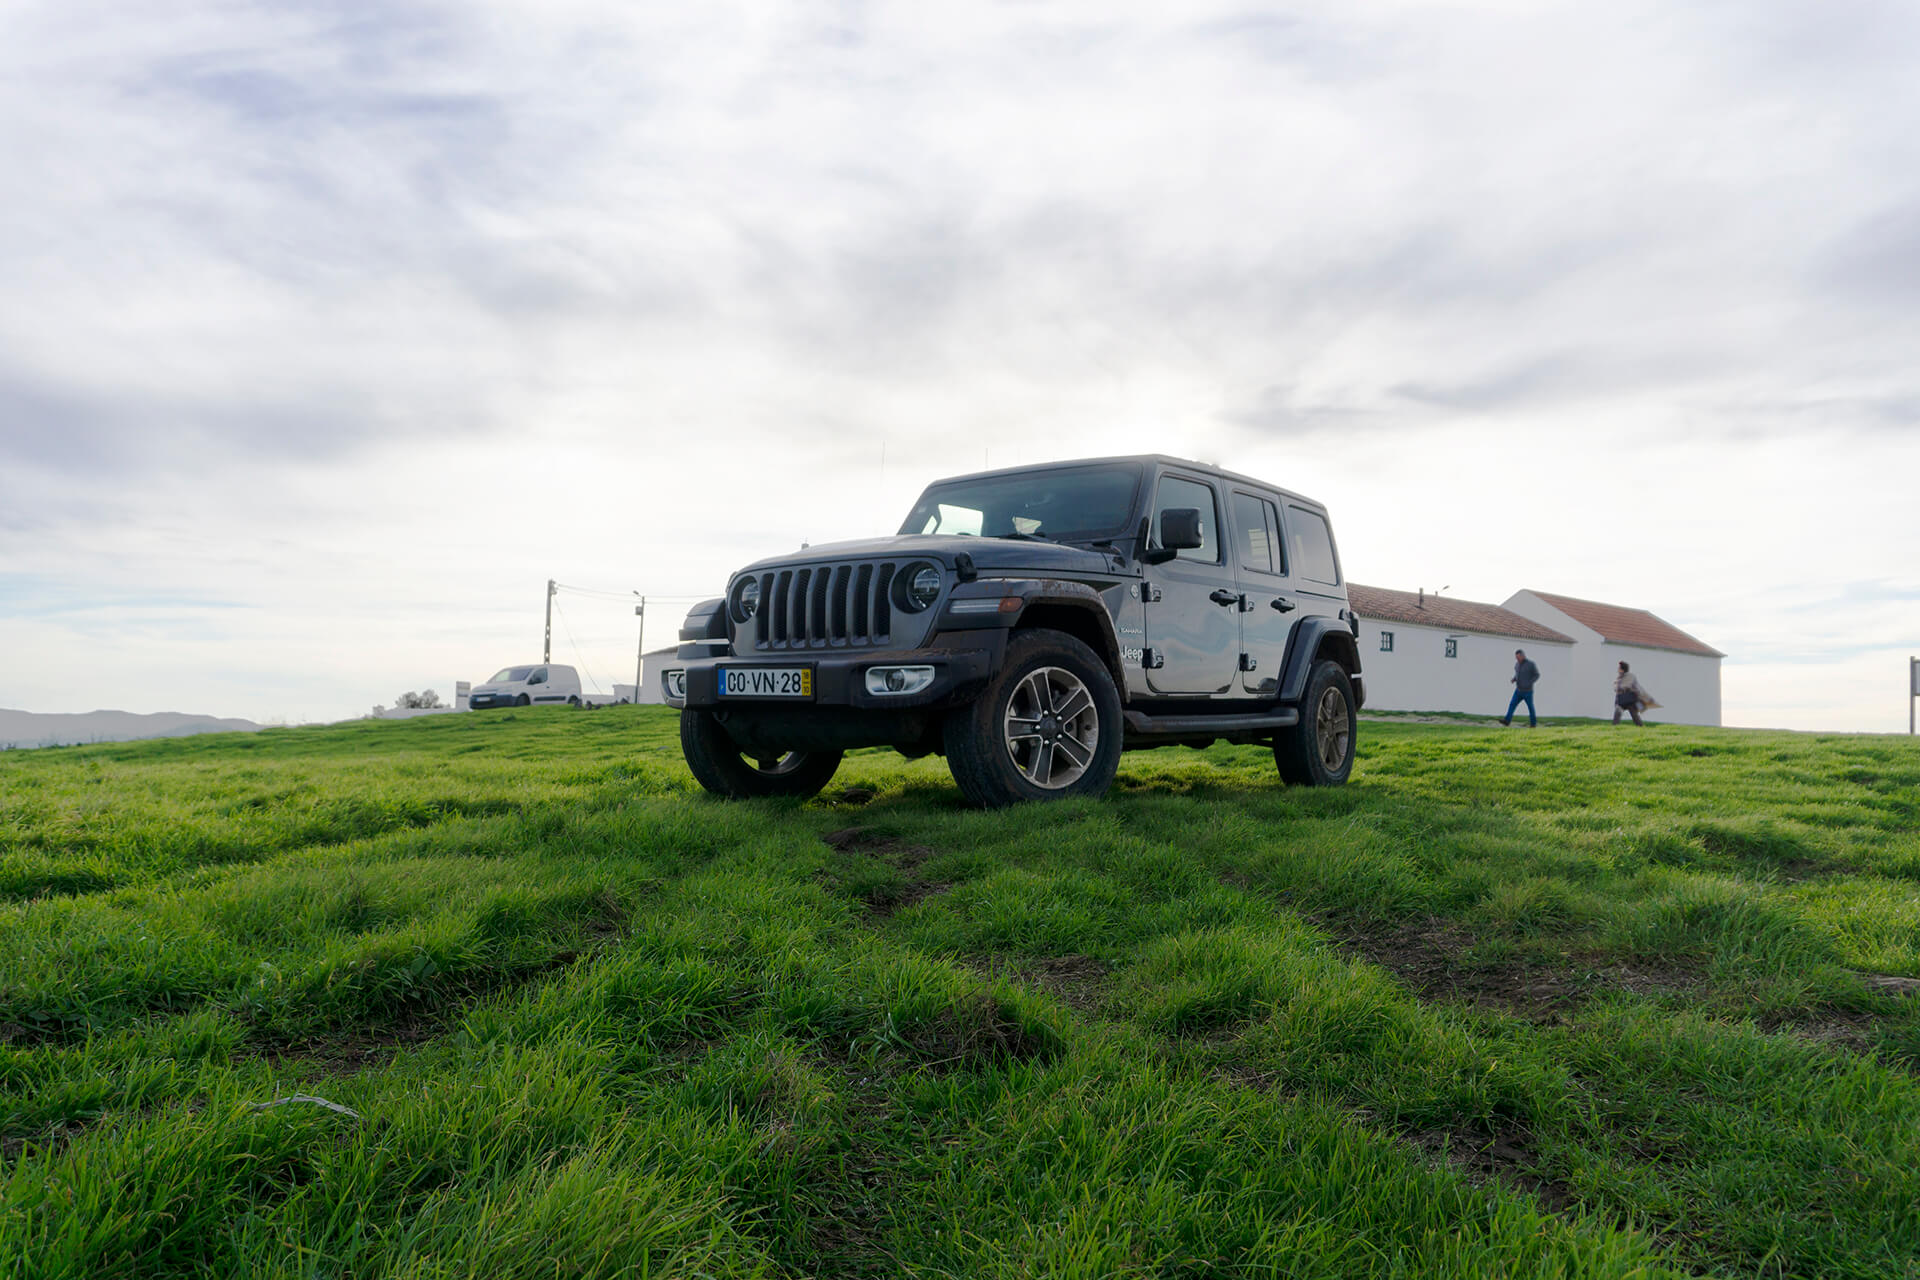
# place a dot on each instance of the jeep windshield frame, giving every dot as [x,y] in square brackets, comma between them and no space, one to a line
[1090,503]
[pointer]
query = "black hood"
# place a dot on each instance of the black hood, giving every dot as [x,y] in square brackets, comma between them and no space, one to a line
[990,555]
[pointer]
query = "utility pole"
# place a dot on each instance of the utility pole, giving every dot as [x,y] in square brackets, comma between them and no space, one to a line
[546,646]
[1913,690]
[640,658]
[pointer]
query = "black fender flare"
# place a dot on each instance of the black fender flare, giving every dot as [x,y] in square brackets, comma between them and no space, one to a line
[1312,638]
[705,621]
[1052,593]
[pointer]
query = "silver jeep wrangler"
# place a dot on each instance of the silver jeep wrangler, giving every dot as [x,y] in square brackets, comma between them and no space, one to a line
[1030,624]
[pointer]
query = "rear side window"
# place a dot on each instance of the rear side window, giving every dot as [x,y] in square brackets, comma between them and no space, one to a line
[1258,524]
[1176,493]
[1311,543]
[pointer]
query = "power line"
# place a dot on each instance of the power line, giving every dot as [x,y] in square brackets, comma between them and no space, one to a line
[579,653]
[627,596]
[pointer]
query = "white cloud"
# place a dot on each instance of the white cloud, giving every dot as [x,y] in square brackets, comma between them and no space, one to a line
[371,320]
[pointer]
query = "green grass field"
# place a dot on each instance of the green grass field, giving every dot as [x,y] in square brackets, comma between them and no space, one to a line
[1570,1002]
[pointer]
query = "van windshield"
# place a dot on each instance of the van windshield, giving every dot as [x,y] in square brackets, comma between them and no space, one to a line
[510,675]
[1062,504]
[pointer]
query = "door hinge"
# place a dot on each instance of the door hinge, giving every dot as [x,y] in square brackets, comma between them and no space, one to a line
[1149,593]
[1247,605]
[1248,662]
[1152,659]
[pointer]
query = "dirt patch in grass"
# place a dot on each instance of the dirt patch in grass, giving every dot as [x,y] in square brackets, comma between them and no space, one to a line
[1429,955]
[1891,982]
[1503,1156]
[884,899]
[353,1051]
[49,1141]
[379,1040]
[979,1031]
[1079,982]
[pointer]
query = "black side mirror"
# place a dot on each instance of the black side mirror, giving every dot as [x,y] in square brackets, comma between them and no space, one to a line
[1179,531]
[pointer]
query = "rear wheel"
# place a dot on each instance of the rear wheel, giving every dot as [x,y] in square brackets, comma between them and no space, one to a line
[719,764]
[1318,751]
[1048,725]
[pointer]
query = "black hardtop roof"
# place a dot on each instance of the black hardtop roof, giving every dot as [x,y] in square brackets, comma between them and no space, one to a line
[1148,459]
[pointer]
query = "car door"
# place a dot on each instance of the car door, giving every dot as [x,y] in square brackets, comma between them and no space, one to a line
[537,685]
[1272,606]
[1192,614]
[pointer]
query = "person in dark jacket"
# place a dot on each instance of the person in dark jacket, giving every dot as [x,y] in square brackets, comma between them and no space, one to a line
[1525,676]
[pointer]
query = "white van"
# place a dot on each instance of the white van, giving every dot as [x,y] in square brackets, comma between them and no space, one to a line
[520,686]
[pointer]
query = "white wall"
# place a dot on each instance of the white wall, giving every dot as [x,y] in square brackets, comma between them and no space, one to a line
[1418,675]
[1687,685]
[651,665]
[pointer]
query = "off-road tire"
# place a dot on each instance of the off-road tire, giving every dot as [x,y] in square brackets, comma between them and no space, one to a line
[1318,751]
[721,767]
[1075,718]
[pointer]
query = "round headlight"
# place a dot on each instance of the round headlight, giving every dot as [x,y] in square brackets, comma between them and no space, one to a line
[923,587]
[746,599]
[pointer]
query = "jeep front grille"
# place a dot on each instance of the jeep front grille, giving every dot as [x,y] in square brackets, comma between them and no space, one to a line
[825,605]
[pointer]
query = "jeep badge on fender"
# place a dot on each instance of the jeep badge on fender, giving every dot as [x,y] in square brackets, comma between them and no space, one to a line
[1030,624]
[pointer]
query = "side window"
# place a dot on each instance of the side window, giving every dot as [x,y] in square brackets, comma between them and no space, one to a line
[1257,521]
[1311,543]
[538,677]
[1386,642]
[1176,493]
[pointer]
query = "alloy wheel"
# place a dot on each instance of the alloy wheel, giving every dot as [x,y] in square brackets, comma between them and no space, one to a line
[1332,730]
[1051,728]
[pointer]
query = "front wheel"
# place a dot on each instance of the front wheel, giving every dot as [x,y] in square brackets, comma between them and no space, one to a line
[1318,751]
[522,700]
[721,767]
[1048,725]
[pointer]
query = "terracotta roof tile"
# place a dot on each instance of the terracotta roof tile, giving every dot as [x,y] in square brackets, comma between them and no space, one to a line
[1448,614]
[1620,625]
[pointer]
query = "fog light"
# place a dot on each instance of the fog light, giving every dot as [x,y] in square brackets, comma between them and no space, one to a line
[896,681]
[674,684]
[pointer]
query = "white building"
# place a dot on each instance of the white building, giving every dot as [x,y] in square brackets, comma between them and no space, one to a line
[1420,652]
[651,665]
[1681,673]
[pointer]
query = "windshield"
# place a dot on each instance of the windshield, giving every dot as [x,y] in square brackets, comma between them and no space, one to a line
[1067,504]
[510,675]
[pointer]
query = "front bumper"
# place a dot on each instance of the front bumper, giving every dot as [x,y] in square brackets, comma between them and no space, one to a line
[839,680]
[481,701]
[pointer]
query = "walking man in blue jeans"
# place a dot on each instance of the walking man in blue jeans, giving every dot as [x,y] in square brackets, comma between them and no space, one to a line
[1524,676]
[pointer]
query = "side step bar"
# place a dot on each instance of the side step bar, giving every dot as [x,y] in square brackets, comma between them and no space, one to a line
[1139,722]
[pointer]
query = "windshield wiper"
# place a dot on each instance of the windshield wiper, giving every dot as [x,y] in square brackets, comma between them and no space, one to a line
[1017,536]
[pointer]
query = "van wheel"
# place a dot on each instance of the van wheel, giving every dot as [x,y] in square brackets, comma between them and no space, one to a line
[573,702]
[1318,751]
[522,700]
[1047,726]
[721,767]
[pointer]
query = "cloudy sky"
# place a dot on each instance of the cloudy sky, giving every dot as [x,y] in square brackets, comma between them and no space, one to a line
[330,331]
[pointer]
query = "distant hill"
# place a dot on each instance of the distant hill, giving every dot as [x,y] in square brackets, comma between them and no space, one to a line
[33,729]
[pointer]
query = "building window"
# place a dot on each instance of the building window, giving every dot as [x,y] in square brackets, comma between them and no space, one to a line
[1453,647]
[1386,642]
